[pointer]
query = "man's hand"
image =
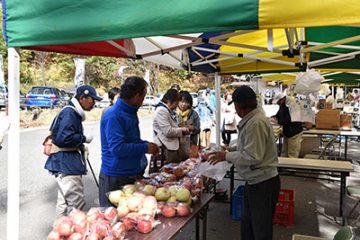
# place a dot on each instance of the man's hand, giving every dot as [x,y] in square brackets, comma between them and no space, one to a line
[153,148]
[273,120]
[216,157]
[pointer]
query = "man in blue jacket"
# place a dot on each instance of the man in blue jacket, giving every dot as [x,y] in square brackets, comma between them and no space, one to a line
[122,150]
[67,160]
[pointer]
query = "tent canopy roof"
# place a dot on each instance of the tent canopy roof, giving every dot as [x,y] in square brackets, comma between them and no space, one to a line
[43,22]
[225,38]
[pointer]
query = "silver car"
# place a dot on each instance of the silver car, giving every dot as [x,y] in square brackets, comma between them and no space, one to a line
[3,96]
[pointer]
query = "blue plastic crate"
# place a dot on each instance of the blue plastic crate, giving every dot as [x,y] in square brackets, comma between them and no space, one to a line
[238,203]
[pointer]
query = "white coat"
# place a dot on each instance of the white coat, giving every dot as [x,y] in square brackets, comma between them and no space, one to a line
[166,130]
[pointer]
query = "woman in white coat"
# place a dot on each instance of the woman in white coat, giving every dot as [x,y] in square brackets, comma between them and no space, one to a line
[229,124]
[167,134]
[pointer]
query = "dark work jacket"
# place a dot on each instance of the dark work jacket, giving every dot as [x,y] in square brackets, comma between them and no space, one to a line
[67,133]
[290,128]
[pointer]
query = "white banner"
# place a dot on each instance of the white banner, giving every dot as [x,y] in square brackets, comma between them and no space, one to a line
[121,71]
[2,80]
[147,79]
[79,78]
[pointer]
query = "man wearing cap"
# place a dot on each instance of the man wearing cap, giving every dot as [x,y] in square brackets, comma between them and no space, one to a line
[292,131]
[122,149]
[255,160]
[67,159]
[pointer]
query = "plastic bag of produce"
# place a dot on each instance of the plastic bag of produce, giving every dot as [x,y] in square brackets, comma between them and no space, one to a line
[216,171]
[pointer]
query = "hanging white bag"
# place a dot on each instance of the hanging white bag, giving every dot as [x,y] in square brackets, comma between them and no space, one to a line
[308,82]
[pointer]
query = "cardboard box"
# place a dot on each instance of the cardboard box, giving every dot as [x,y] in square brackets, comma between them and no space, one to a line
[328,119]
[346,121]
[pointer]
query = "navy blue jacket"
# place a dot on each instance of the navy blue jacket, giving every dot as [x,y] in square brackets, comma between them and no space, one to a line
[67,133]
[122,150]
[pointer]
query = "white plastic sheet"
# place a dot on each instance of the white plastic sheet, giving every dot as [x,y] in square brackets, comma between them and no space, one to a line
[300,110]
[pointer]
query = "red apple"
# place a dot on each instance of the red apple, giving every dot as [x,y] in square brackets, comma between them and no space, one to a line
[168,211]
[76,236]
[110,213]
[118,230]
[144,226]
[183,209]
[54,235]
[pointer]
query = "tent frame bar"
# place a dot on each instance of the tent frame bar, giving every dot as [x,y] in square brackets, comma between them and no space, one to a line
[200,62]
[246,56]
[239,45]
[121,48]
[160,47]
[334,58]
[330,44]
[337,46]
[167,50]
[203,58]
[212,60]
[206,57]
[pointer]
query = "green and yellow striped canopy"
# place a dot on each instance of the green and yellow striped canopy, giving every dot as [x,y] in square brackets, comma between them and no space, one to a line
[224,36]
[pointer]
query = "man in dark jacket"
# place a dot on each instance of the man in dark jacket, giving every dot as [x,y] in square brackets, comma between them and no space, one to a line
[122,149]
[67,158]
[292,131]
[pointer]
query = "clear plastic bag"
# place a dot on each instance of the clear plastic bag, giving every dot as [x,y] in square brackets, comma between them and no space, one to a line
[216,171]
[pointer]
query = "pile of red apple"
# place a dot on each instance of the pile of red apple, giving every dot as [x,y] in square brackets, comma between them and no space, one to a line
[169,192]
[95,225]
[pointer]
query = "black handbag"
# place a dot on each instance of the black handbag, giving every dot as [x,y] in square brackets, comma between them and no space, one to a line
[157,161]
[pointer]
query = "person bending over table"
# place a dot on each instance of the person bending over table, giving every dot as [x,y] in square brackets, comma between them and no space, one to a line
[255,159]
[292,131]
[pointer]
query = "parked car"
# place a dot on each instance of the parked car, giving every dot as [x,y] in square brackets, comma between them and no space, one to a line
[104,103]
[159,96]
[65,96]
[149,101]
[4,98]
[194,96]
[45,97]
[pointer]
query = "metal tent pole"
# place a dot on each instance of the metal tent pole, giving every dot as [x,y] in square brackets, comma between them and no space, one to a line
[13,145]
[218,108]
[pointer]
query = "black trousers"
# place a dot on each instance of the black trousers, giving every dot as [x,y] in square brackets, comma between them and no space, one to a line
[259,207]
[226,134]
[109,183]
